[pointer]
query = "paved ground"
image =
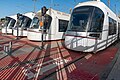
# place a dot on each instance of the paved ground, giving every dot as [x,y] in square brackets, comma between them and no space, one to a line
[28,62]
[114,72]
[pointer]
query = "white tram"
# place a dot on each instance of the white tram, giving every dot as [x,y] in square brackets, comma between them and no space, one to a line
[92,27]
[55,24]
[9,24]
[24,24]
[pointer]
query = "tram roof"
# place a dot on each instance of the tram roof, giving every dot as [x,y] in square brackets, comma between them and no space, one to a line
[13,17]
[100,5]
[29,14]
[56,12]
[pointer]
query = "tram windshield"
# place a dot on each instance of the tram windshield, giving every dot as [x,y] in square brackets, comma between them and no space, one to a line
[11,23]
[35,23]
[24,22]
[7,21]
[86,18]
[47,22]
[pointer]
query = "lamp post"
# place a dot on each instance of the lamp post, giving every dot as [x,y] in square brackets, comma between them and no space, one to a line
[17,25]
[34,4]
[43,11]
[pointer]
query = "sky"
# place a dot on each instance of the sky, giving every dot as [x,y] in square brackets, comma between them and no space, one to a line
[12,7]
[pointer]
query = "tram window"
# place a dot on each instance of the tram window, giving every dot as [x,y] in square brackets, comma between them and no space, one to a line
[119,28]
[97,21]
[63,25]
[7,21]
[115,27]
[119,25]
[28,22]
[12,23]
[112,26]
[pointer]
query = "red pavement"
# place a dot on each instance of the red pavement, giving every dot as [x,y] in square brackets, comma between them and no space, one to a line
[92,68]
[52,64]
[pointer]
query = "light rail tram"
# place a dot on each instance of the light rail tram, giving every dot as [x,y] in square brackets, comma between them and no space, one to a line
[10,22]
[92,27]
[55,25]
[24,23]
